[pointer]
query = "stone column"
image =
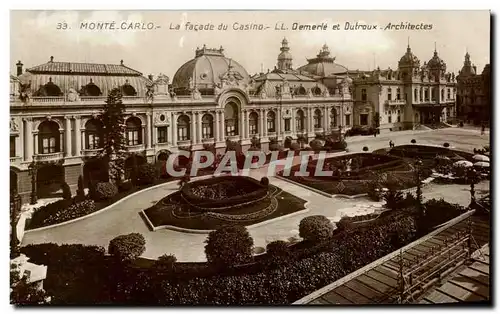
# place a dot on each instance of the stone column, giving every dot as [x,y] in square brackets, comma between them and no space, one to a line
[306,120]
[264,122]
[78,136]
[245,124]
[216,127]
[261,122]
[327,120]
[35,139]
[200,126]
[293,122]
[62,147]
[222,126]
[174,129]
[67,136]
[192,133]
[149,141]
[28,135]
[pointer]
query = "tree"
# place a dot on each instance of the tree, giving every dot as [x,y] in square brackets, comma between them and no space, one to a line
[113,121]
[376,120]
[166,262]
[229,246]
[278,254]
[23,292]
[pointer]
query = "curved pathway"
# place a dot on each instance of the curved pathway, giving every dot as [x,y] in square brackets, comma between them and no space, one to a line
[124,217]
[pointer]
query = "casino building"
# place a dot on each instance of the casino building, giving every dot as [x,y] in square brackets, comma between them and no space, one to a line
[55,132]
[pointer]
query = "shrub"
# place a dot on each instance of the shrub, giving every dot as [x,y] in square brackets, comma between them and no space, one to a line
[341,145]
[127,247]
[278,254]
[393,199]
[413,141]
[344,223]
[315,228]
[146,174]
[365,148]
[166,262]
[374,191]
[104,191]
[316,145]
[229,246]
[80,192]
[264,181]
[125,186]
[446,145]
[66,191]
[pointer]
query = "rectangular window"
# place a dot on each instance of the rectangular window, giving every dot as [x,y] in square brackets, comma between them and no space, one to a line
[398,95]
[363,94]
[48,145]
[347,119]
[299,125]
[317,122]
[182,133]
[449,94]
[399,118]
[162,134]
[390,118]
[206,131]
[93,141]
[132,137]
[230,130]
[252,126]
[270,126]
[389,94]
[287,125]
[363,119]
[12,146]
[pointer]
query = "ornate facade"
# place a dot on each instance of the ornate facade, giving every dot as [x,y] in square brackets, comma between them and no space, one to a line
[474,93]
[212,99]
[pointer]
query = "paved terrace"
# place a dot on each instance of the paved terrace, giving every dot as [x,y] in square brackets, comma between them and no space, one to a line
[123,217]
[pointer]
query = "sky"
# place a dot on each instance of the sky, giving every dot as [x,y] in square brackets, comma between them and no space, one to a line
[35,37]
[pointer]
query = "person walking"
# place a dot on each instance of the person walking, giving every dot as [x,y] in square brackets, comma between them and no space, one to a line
[482,129]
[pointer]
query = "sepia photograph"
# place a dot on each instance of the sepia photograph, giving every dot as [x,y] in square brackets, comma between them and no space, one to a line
[299,158]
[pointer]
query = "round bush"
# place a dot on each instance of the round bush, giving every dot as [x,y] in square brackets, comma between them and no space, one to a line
[104,191]
[264,181]
[278,254]
[413,141]
[125,186]
[365,148]
[446,145]
[127,247]
[294,146]
[229,246]
[166,262]
[316,144]
[146,174]
[315,228]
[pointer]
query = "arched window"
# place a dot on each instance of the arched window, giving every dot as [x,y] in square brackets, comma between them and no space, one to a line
[128,90]
[231,119]
[301,90]
[415,94]
[183,131]
[93,134]
[317,119]
[299,120]
[49,89]
[91,89]
[389,94]
[48,138]
[449,94]
[271,122]
[207,122]
[134,131]
[398,93]
[421,97]
[442,94]
[253,123]
[316,91]
[426,94]
[334,117]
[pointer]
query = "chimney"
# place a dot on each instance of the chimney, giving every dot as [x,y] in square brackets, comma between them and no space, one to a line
[475,69]
[19,66]
[51,58]
[150,77]
[121,62]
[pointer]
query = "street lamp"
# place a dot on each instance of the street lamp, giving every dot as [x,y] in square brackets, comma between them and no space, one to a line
[418,165]
[32,170]
[472,176]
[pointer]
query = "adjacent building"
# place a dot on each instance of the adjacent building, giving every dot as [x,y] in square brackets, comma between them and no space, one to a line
[474,93]
[55,131]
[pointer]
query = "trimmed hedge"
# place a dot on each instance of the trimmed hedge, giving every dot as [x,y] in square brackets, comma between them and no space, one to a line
[60,211]
[146,174]
[315,228]
[127,247]
[229,246]
[104,191]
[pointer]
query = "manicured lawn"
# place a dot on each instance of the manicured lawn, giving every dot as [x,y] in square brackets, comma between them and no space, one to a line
[173,211]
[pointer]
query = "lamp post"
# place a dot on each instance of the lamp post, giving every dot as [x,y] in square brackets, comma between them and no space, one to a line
[472,176]
[15,211]
[32,170]
[418,165]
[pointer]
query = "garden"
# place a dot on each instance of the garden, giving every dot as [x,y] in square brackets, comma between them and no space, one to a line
[355,174]
[232,275]
[211,203]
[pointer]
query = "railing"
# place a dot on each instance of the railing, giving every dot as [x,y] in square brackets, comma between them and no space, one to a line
[15,159]
[91,152]
[233,138]
[271,134]
[184,143]
[395,102]
[209,140]
[49,157]
[47,99]
[135,148]
[318,130]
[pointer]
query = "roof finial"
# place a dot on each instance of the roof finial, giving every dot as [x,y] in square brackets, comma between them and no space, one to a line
[121,62]
[408,42]
[435,47]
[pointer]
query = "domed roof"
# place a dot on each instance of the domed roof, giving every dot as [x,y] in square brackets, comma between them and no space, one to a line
[323,65]
[409,59]
[436,62]
[207,69]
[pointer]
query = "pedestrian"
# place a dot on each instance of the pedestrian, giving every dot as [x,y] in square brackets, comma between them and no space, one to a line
[482,129]
[391,144]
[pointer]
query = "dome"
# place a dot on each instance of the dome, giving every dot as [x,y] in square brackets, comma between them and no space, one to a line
[285,55]
[323,65]
[409,59]
[207,69]
[436,62]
